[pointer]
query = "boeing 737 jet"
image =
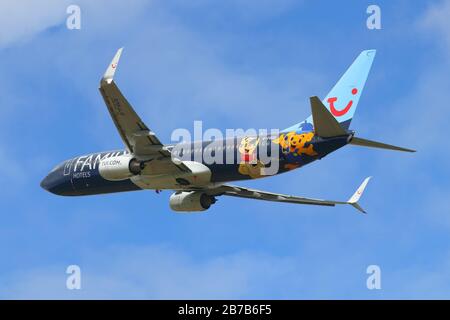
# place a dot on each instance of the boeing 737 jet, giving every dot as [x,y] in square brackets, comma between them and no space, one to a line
[146,163]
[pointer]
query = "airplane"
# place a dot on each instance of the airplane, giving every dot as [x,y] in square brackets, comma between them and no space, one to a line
[147,163]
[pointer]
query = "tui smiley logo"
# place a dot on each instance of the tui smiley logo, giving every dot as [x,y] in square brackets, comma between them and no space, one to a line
[339,113]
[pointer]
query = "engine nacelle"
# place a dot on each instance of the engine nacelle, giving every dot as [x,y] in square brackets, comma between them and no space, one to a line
[190,201]
[120,167]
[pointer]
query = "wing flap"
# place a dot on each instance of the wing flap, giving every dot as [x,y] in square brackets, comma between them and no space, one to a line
[241,192]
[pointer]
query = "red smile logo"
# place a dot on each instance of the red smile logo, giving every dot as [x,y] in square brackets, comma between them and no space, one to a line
[336,112]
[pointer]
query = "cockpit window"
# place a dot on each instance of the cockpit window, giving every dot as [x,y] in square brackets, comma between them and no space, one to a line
[56,168]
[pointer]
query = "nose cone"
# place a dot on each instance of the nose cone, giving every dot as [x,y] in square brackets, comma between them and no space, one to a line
[58,183]
[45,184]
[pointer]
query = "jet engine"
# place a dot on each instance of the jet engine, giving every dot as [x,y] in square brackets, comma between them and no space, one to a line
[190,201]
[120,167]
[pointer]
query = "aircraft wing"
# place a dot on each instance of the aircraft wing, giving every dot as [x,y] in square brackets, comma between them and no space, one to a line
[235,191]
[137,137]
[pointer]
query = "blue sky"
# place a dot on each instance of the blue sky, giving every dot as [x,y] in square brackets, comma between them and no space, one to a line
[232,64]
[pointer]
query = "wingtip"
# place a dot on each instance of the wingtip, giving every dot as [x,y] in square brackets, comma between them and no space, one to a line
[357,195]
[358,207]
[112,67]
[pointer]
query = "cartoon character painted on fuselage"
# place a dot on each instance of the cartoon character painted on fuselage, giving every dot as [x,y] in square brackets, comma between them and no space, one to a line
[249,163]
[294,145]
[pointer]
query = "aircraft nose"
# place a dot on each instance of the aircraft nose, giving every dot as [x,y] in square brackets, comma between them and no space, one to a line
[51,183]
[56,183]
[45,184]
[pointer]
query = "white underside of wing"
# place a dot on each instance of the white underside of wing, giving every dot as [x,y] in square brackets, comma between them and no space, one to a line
[160,175]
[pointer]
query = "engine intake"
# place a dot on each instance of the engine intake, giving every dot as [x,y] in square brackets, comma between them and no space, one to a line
[120,167]
[183,201]
[136,166]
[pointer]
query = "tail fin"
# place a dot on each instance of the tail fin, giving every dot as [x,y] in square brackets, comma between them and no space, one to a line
[343,99]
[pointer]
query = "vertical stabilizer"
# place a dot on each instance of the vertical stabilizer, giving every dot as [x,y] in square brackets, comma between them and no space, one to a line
[343,99]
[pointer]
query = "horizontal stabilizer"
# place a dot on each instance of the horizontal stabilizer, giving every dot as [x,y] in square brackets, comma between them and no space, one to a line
[325,125]
[374,144]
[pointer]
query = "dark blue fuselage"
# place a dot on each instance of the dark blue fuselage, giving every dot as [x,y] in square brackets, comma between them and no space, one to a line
[81,176]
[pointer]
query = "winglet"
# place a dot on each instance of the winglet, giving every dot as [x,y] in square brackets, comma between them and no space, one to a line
[357,195]
[109,74]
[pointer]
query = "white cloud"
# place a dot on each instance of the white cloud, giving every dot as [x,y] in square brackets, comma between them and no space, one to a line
[429,281]
[436,22]
[21,20]
[157,272]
